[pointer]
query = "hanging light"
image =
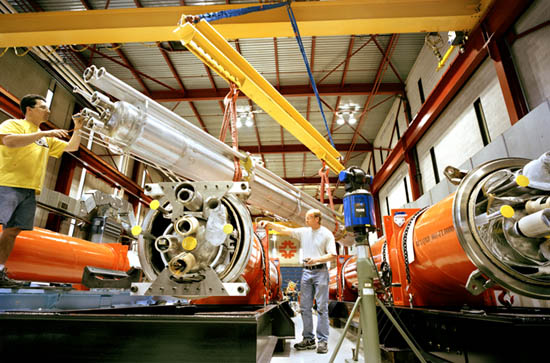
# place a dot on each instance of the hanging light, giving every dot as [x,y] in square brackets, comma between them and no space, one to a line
[352,119]
[340,121]
[249,122]
[239,122]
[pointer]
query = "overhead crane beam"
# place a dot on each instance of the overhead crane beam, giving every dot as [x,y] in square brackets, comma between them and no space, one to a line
[298,148]
[208,94]
[323,18]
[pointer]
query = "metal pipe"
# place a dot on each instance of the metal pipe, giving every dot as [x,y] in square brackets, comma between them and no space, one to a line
[535,225]
[146,129]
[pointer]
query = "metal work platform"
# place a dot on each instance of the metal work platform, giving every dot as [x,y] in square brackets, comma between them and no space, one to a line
[175,333]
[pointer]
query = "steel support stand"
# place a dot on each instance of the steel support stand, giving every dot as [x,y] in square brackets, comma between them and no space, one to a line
[367,304]
[366,272]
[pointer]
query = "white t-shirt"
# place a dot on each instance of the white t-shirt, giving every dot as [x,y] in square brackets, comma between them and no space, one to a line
[315,243]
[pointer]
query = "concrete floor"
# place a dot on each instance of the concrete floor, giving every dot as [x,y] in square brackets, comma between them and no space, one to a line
[307,356]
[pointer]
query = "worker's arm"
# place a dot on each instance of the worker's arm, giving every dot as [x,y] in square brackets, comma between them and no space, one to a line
[74,142]
[286,231]
[323,259]
[20,140]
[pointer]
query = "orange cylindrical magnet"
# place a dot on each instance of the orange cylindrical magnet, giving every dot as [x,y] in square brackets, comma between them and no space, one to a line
[46,256]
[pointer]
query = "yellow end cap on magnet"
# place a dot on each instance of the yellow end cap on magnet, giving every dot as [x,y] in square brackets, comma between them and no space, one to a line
[507,211]
[522,180]
[136,230]
[228,228]
[154,205]
[189,243]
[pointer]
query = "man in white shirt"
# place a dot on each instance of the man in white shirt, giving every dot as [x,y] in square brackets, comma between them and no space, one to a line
[318,248]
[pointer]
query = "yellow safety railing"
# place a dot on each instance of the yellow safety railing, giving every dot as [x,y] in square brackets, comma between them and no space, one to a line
[210,47]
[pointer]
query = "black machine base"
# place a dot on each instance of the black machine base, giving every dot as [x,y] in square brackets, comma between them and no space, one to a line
[187,333]
[464,334]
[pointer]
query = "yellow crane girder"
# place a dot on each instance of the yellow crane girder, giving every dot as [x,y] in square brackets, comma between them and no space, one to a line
[211,48]
[322,18]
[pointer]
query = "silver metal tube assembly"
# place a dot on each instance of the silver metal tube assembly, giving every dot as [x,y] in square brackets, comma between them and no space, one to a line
[535,225]
[152,132]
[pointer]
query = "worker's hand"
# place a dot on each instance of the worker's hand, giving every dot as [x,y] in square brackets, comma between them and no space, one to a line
[78,121]
[309,261]
[59,133]
[264,224]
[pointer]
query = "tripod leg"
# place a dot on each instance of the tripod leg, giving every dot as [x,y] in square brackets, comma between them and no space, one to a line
[357,344]
[346,327]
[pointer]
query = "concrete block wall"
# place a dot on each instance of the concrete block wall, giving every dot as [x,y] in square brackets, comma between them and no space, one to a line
[384,138]
[425,68]
[528,138]
[456,136]
[394,190]
[531,53]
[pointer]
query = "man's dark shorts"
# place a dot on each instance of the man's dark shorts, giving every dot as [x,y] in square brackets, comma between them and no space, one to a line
[17,208]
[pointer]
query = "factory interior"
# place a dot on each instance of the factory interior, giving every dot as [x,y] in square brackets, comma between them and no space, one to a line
[210,138]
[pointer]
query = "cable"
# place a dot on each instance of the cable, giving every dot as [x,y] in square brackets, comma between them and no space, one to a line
[313,85]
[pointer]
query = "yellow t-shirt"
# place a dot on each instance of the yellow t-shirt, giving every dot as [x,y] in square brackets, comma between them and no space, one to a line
[25,167]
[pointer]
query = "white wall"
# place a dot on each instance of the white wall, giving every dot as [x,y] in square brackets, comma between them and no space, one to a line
[394,190]
[455,135]
[531,53]
[425,68]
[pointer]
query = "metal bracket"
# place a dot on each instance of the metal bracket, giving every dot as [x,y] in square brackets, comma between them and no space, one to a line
[211,285]
[454,175]
[95,277]
[477,283]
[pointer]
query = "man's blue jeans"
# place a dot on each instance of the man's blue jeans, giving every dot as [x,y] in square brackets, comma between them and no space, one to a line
[314,285]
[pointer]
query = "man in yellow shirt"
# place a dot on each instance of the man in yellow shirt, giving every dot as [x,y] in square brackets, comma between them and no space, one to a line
[24,152]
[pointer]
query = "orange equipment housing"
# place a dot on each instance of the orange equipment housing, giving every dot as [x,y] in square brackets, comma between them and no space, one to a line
[441,268]
[46,256]
[439,272]
[343,279]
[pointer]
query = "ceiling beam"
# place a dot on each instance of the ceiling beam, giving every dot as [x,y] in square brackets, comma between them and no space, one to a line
[209,94]
[297,148]
[315,180]
[320,18]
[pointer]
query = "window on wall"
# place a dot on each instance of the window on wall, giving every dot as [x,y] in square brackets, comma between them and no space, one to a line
[397,128]
[434,165]
[418,173]
[50,93]
[482,122]
[421,91]
[406,190]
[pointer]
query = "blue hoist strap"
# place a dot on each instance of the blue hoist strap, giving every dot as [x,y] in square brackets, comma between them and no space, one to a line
[236,12]
[313,85]
[242,11]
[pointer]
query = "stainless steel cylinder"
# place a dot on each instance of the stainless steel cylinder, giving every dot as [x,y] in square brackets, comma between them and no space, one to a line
[167,140]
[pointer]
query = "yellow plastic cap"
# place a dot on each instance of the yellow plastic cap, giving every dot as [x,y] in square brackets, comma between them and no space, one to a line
[154,205]
[228,228]
[189,243]
[522,180]
[136,230]
[507,211]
